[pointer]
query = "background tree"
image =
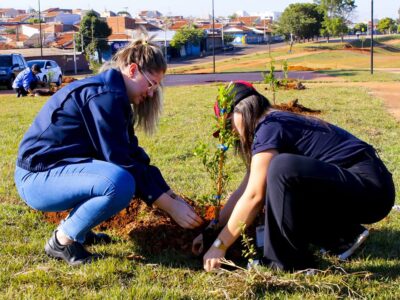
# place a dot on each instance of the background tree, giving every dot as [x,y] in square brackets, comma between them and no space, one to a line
[386,25]
[398,19]
[362,27]
[337,14]
[303,20]
[337,8]
[233,17]
[10,31]
[33,20]
[93,33]
[228,38]
[187,35]
[335,27]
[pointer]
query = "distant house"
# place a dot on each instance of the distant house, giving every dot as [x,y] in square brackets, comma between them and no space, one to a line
[176,25]
[124,14]
[64,40]
[107,13]
[245,34]
[119,24]
[53,9]
[31,29]
[83,12]
[153,14]
[213,38]
[12,40]
[8,13]
[61,17]
[248,20]
[22,18]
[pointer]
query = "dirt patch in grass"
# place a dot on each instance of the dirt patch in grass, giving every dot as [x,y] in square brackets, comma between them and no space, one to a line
[296,107]
[228,65]
[302,68]
[150,228]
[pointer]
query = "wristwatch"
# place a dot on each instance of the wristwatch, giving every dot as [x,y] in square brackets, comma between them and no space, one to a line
[219,244]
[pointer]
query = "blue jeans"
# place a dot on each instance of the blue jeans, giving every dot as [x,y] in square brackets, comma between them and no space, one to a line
[94,190]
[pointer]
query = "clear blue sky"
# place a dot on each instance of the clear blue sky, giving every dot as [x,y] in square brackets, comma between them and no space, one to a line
[382,8]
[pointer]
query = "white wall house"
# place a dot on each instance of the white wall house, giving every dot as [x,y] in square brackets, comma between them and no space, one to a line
[7,13]
[29,30]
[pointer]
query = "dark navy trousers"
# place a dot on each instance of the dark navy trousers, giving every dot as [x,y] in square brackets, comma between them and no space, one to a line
[309,201]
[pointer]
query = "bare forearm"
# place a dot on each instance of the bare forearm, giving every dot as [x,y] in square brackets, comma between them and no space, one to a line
[164,202]
[244,212]
[231,203]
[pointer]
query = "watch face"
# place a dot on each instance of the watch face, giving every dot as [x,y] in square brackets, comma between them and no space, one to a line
[217,243]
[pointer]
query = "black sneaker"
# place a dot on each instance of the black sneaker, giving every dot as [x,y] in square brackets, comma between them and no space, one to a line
[93,238]
[74,254]
[348,244]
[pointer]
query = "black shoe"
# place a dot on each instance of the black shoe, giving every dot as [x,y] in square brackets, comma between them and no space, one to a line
[93,238]
[349,243]
[74,254]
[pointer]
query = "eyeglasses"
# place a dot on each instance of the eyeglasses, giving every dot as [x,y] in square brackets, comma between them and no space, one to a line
[152,86]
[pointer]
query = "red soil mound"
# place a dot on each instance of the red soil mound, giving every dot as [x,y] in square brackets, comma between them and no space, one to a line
[302,68]
[152,229]
[296,107]
[68,79]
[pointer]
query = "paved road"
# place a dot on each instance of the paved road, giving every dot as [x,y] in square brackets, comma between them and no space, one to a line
[238,51]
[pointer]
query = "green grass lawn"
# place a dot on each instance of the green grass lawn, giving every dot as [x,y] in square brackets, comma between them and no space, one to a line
[26,272]
[333,56]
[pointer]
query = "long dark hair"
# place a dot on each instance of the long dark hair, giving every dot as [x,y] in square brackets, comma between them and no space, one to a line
[252,109]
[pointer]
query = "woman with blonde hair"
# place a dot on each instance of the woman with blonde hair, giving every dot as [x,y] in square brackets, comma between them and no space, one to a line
[81,152]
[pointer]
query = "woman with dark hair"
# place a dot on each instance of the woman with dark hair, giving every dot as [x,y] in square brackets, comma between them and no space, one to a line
[318,183]
[81,152]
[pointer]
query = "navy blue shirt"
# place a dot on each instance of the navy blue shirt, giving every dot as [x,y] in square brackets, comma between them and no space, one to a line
[311,137]
[90,119]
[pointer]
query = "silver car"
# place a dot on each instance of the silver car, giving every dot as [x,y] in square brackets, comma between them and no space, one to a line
[51,71]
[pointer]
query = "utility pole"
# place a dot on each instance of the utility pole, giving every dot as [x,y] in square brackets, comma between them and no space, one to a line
[222,35]
[73,41]
[81,42]
[165,40]
[372,37]
[265,35]
[40,33]
[213,37]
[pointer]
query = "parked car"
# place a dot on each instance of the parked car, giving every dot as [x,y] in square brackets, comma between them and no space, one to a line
[10,66]
[228,47]
[51,71]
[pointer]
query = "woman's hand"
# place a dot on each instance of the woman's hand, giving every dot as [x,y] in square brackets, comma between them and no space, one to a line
[184,214]
[198,245]
[212,259]
[180,211]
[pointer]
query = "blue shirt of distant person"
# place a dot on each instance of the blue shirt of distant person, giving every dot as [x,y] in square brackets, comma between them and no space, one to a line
[26,81]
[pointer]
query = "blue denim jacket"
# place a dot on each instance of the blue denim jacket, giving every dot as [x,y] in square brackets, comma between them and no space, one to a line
[90,119]
[24,79]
